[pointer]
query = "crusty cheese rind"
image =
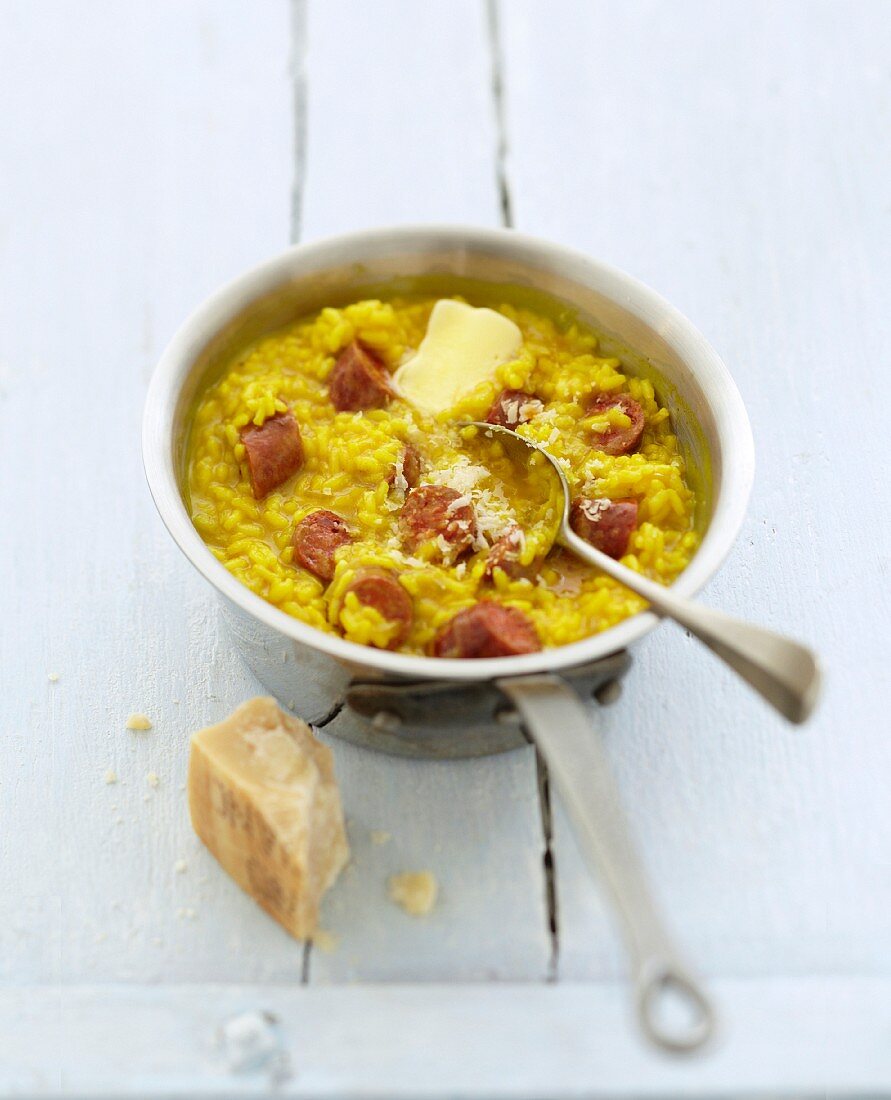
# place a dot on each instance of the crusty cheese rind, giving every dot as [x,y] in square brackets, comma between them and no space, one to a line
[263,798]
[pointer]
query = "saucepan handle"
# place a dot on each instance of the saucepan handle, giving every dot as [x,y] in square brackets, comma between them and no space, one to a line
[560,726]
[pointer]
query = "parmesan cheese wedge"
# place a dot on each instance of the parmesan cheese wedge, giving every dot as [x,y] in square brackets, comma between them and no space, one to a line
[264,800]
[463,347]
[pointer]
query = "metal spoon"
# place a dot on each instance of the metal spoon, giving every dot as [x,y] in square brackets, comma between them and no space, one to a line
[782,671]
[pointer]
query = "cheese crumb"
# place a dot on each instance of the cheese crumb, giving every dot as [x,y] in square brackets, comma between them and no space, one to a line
[139,722]
[594,509]
[378,836]
[153,779]
[415,891]
[325,941]
[53,677]
[180,866]
[110,776]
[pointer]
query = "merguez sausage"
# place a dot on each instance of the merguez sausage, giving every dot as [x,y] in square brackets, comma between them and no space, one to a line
[431,511]
[274,451]
[411,468]
[487,630]
[513,407]
[378,588]
[616,440]
[505,553]
[358,381]
[606,524]
[316,537]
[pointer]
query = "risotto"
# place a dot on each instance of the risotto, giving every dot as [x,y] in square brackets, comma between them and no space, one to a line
[323,489]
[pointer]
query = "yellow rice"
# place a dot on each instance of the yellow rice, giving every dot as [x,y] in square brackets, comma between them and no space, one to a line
[348,457]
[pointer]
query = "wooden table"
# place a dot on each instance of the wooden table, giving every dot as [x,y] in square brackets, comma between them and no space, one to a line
[736,158]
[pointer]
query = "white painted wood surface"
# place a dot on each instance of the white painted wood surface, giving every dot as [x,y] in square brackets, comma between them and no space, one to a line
[735,158]
[827,1035]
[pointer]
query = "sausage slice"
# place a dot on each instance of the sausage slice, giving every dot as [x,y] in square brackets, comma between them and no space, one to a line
[606,524]
[487,630]
[358,381]
[431,511]
[615,440]
[411,468]
[315,539]
[505,553]
[274,452]
[513,407]
[379,588]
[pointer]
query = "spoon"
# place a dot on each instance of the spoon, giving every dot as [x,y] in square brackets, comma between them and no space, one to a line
[784,672]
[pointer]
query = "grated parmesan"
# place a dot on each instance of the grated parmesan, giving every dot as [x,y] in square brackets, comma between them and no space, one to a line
[593,509]
[400,484]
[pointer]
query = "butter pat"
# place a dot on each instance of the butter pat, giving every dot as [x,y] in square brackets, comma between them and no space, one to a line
[264,800]
[463,347]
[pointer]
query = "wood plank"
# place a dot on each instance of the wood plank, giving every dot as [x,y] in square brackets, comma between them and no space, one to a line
[735,158]
[400,121]
[146,157]
[400,126]
[807,1037]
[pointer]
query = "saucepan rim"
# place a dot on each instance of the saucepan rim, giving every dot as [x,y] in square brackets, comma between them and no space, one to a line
[731,491]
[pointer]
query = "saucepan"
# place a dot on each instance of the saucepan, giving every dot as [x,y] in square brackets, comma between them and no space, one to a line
[436,707]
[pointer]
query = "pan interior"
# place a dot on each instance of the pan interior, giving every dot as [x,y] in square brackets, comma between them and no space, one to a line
[299,297]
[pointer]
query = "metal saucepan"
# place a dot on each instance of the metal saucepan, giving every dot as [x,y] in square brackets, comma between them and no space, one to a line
[434,707]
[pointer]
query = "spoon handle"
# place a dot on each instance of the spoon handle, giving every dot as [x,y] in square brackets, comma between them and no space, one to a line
[784,672]
[560,726]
